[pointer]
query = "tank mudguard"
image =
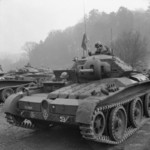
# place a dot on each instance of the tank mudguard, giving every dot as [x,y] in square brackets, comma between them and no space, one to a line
[85,111]
[10,105]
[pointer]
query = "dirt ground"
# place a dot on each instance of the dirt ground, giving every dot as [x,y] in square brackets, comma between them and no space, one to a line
[63,138]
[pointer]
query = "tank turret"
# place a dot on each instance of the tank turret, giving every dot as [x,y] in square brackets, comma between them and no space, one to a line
[94,69]
[98,67]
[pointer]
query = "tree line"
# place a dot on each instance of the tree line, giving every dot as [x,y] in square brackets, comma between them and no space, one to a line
[126,31]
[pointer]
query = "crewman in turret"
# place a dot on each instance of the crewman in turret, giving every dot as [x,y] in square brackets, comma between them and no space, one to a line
[99,48]
[102,49]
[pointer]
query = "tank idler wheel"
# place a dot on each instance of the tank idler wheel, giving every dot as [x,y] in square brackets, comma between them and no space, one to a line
[146,105]
[98,123]
[117,123]
[136,112]
[6,93]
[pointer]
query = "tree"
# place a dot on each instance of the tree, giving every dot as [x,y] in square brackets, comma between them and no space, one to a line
[124,19]
[60,46]
[131,47]
[148,10]
[29,47]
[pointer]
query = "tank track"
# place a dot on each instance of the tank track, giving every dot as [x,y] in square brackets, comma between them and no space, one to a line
[87,132]
[14,120]
[28,125]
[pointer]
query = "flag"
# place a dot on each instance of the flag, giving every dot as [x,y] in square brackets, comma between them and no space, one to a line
[84,42]
[1,68]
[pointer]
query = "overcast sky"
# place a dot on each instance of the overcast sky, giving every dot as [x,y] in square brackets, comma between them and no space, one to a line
[32,20]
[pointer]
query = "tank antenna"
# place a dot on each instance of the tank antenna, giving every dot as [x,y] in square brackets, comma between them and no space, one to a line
[111,42]
[84,17]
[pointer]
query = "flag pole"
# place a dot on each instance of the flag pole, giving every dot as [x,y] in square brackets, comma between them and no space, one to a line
[84,40]
[84,54]
[111,41]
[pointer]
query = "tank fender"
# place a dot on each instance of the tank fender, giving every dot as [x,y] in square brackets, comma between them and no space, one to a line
[10,105]
[85,111]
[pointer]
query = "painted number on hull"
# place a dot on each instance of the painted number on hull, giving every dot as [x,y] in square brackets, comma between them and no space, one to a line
[64,118]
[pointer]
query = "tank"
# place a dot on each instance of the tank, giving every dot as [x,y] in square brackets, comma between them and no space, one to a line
[12,83]
[101,94]
[30,73]
[10,86]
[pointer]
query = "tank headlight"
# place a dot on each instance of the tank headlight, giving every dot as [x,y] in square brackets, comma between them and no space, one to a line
[45,109]
[44,104]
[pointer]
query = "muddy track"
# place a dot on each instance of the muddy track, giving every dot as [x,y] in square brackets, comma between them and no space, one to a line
[63,138]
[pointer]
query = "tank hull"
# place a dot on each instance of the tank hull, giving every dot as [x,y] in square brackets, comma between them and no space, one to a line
[77,104]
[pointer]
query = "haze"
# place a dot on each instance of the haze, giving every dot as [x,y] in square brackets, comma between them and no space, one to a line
[32,20]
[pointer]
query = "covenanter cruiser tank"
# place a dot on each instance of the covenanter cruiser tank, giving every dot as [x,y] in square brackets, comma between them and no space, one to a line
[30,73]
[102,95]
[10,85]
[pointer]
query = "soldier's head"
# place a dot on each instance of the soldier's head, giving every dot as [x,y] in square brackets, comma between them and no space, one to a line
[98,45]
[64,75]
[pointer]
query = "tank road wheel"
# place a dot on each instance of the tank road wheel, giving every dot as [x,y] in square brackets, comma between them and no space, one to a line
[98,123]
[146,105]
[117,123]
[5,94]
[136,112]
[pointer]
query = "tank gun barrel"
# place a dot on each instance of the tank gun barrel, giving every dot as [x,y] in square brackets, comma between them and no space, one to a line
[86,70]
